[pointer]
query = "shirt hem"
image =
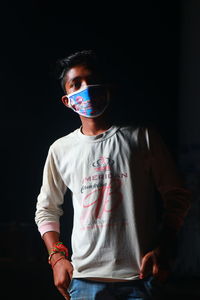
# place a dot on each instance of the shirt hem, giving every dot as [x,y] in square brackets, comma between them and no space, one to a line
[106,278]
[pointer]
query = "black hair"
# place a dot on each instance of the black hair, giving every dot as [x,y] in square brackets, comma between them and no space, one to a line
[87,58]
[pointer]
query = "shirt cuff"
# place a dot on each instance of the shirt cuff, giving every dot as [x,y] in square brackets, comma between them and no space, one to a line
[49,226]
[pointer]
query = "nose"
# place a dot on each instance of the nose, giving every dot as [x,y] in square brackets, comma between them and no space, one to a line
[84,83]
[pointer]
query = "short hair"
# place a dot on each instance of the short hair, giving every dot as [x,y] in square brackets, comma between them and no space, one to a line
[87,58]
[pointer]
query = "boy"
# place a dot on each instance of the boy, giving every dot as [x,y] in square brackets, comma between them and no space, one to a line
[113,172]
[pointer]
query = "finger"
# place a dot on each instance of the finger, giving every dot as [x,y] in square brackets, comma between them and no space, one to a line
[68,297]
[64,293]
[145,265]
[63,289]
[155,268]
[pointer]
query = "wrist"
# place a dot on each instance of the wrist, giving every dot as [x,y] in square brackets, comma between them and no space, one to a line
[58,250]
[55,257]
[53,263]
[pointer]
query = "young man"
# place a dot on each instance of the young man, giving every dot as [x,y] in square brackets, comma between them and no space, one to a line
[113,173]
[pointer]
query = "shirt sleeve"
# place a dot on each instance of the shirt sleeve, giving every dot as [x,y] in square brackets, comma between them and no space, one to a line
[169,183]
[51,197]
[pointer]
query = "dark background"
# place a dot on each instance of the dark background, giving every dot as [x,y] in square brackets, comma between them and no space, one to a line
[146,43]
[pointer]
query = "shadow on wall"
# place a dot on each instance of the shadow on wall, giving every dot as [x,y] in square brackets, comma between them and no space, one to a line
[188,246]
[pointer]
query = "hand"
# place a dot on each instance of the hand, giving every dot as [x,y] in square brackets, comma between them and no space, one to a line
[156,264]
[62,273]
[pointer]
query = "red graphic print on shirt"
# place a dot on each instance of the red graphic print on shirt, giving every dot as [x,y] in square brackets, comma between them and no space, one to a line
[98,202]
[101,194]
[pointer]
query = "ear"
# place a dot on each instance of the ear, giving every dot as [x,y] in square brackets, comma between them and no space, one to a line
[65,100]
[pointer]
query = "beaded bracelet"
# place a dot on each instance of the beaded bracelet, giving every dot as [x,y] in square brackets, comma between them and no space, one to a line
[58,247]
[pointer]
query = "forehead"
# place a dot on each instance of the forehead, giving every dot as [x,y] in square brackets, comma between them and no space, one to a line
[79,71]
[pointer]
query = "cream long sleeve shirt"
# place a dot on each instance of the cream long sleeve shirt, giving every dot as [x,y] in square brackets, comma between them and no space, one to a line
[113,177]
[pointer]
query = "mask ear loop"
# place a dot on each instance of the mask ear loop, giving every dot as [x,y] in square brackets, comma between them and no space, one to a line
[69,102]
[66,103]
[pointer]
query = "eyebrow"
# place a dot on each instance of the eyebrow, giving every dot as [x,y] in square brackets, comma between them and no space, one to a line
[68,82]
[78,78]
[75,78]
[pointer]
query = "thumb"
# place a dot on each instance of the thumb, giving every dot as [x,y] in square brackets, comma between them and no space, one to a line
[146,265]
[155,266]
[67,297]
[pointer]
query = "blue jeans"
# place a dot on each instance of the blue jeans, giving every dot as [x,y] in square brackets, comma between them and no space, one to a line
[83,289]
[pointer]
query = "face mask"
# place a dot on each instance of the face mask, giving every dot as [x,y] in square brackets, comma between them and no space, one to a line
[89,102]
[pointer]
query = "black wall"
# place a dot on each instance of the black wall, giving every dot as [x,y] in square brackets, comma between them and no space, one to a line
[140,41]
[143,41]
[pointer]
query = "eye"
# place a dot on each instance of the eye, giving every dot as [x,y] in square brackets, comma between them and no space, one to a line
[75,85]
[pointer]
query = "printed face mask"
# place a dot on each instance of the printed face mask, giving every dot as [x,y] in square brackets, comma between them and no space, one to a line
[89,102]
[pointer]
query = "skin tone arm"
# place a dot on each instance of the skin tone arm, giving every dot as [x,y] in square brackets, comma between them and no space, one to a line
[63,269]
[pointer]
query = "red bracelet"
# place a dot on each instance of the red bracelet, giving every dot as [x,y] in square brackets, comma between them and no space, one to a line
[58,247]
[57,261]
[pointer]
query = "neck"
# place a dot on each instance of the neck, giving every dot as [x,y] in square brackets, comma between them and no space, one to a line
[94,126]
